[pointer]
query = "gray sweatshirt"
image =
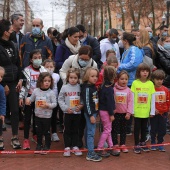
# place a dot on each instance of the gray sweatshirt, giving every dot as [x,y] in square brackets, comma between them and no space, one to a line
[69,97]
[43,96]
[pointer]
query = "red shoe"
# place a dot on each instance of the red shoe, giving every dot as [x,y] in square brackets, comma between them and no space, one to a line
[26,144]
[116,148]
[124,149]
[34,139]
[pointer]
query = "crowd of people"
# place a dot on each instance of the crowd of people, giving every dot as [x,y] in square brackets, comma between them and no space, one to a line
[72,77]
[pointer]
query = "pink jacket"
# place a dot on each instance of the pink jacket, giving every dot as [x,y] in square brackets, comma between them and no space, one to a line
[123,99]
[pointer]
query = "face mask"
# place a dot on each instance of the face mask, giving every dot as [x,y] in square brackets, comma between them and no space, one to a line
[51,71]
[112,40]
[164,34]
[150,34]
[83,63]
[37,62]
[167,46]
[36,31]
[82,40]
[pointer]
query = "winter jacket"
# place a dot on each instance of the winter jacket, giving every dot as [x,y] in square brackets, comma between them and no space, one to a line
[123,99]
[9,59]
[14,38]
[162,61]
[106,98]
[90,99]
[28,45]
[105,45]
[2,101]
[131,58]
[148,52]
[72,61]
[62,53]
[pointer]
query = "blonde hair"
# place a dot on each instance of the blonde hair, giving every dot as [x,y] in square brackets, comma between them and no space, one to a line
[87,74]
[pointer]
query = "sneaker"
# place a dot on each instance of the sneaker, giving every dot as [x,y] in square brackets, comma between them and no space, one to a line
[55,137]
[34,139]
[93,157]
[128,133]
[114,152]
[116,148]
[137,149]
[2,144]
[45,150]
[161,149]
[3,127]
[26,144]
[153,148]
[124,149]
[144,148]
[76,151]
[38,149]
[148,137]
[15,143]
[66,152]
[103,153]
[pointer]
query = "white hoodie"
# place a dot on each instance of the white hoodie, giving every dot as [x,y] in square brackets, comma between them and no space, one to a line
[105,45]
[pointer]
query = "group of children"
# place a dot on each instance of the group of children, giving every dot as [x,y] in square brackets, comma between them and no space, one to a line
[111,98]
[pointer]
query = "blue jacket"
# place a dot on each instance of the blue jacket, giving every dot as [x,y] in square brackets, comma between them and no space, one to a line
[2,101]
[28,45]
[131,58]
[62,53]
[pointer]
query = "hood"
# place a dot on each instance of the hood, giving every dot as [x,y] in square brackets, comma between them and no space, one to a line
[104,41]
[119,87]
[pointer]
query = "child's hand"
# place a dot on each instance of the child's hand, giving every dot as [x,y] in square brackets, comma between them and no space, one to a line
[70,111]
[112,118]
[2,118]
[27,101]
[21,102]
[44,105]
[127,117]
[156,112]
[6,88]
[92,119]
[78,108]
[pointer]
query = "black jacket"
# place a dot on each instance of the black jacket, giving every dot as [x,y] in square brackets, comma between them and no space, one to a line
[90,98]
[162,61]
[13,37]
[9,59]
[106,98]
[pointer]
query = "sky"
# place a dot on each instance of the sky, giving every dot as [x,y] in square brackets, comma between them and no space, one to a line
[43,9]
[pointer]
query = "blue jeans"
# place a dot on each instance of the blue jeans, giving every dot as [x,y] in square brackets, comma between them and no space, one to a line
[89,133]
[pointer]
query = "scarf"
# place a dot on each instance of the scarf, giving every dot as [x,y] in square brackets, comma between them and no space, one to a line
[73,49]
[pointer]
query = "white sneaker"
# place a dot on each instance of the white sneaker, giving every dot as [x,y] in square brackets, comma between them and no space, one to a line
[76,151]
[67,152]
[55,137]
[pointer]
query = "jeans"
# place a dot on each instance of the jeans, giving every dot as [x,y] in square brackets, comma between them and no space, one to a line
[107,128]
[90,133]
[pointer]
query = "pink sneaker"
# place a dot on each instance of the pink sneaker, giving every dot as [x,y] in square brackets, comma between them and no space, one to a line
[26,144]
[116,148]
[34,139]
[124,149]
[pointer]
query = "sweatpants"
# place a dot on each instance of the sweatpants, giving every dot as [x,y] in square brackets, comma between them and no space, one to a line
[158,128]
[71,125]
[140,125]
[119,126]
[54,121]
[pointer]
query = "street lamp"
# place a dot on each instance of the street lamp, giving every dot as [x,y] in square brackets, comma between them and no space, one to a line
[89,24]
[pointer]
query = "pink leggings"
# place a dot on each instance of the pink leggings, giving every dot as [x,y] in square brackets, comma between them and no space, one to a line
[107,128]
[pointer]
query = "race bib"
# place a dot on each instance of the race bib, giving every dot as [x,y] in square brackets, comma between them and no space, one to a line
[40,102]
[96,101]
[160,97]
[121,97]
[74,101]
[142,98]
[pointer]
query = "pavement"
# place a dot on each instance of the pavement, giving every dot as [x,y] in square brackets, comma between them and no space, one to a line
[154,160]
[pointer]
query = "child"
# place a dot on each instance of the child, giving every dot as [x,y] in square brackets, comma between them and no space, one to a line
[90,100]
[162,102]
[69,101]
[45,101]
[144,105]
[106,108]
[50,66]
[124,108]
[30,77]
[111,61]
[108,54]
[2,107]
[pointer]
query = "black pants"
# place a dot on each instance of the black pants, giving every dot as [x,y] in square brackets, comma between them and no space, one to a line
[43,129]
[13,104]
[119,126]
[140,125]
[54,120]
[0,127]
[158,127]
[129,125]
[71,124]
[29,111]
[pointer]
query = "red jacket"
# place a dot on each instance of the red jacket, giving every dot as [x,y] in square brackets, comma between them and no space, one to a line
[162,99]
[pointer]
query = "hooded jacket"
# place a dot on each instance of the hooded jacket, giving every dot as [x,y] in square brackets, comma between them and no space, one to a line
[123,99]
[105,45]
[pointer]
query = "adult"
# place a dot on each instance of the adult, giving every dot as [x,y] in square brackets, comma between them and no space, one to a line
[69,46]
[9,59]
[35,40]
[105,36]
[87,39]
[136,33]
[17,24]
[110,44]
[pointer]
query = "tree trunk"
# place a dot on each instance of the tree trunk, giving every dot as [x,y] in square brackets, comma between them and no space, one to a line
[109,13]
[101,21]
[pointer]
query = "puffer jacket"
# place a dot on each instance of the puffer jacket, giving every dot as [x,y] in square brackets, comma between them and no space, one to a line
[131,58]
[162,61]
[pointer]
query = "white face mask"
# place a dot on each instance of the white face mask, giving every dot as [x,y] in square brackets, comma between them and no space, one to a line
[51,71]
